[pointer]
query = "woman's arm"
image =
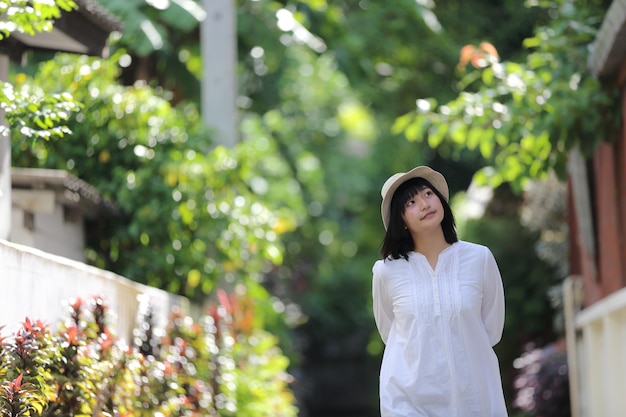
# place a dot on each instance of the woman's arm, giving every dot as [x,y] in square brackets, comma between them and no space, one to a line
[492,310]
[383,310]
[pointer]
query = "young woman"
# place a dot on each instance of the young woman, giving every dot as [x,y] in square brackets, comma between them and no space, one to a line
[439,307]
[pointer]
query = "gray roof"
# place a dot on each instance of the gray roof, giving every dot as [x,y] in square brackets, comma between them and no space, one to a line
[84,30]
[99,15]
[70,191]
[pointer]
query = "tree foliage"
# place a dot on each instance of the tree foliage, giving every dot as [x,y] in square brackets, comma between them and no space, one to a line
[191,215]
[524,117]
[160,38]
[152,26]
[293,210]
[34,113]
[31,16]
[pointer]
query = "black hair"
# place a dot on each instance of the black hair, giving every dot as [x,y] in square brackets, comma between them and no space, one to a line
[398,242]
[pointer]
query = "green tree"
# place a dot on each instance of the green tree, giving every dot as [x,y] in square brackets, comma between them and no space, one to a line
[161,40]
[190,215]
[317,107]
[523,117]
[35,113]
[31,16]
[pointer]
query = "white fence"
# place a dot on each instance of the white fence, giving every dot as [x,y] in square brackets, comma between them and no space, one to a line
[38,285]
[596,344]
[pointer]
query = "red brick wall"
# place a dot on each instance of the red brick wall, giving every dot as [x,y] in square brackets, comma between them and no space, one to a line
[608,222]
[604,273]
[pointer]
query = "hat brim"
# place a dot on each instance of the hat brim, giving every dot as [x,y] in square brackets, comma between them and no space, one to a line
[391,185]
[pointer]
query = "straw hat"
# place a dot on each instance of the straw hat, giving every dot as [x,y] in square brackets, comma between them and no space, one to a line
[392,184]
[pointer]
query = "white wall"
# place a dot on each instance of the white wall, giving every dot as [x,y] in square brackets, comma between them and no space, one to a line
[38,285]
[51,231]
[596,345]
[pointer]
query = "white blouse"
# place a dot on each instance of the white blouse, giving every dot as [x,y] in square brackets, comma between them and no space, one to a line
[439,327]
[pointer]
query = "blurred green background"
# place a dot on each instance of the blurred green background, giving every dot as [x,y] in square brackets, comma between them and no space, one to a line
[292,210]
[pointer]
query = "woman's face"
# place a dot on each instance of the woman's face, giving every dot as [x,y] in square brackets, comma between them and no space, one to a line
[423,212]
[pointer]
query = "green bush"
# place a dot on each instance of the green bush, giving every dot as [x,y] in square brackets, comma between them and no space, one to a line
[221,365]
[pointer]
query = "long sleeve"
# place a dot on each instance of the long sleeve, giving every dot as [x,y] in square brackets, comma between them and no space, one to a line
[439,326]
[492,311]
[383,312]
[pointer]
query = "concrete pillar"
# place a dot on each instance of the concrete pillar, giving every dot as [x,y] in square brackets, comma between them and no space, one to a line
[218,39]
[5,164]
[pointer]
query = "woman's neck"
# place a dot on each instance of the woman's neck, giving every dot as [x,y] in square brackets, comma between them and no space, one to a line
[430,245]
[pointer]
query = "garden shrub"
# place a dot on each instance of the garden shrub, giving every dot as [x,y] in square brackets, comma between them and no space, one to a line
[221,365]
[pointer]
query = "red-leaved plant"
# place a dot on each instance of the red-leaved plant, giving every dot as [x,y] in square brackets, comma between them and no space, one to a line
[221,365]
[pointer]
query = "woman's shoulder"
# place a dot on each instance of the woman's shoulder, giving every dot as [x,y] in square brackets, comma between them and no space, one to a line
[389,264]
[471,248]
